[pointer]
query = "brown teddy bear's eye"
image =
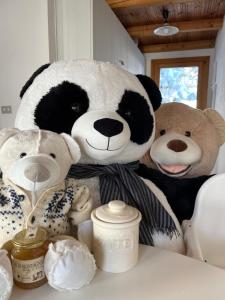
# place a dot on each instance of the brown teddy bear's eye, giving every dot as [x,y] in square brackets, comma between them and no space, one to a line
[52,155]
[22,154]
[188,133]
[162,132]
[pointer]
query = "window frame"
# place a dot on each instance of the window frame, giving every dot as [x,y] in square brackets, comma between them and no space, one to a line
[201,61]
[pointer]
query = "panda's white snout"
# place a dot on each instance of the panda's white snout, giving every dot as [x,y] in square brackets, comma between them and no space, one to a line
[101,134]
[37,173]
[108,135]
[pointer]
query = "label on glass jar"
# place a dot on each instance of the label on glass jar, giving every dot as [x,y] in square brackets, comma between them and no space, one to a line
[28,271]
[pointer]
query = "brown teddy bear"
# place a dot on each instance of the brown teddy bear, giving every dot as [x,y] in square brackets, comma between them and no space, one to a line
[184,152]
[187,140]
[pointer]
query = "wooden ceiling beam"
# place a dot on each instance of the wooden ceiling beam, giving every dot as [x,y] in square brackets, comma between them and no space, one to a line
[180,46]
[184,26]
[139,3]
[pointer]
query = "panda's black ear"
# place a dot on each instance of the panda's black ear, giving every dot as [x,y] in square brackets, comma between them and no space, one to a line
[30,81]
[152,90]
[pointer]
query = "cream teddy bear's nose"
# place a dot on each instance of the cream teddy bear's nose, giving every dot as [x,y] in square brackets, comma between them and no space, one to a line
[37,173]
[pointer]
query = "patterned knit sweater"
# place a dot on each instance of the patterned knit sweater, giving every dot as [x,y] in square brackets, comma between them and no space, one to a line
[55,210]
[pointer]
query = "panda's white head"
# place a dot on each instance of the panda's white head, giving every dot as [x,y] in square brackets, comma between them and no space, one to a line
[107,110]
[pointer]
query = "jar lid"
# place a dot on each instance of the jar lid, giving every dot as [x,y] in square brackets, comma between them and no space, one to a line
[116,211]
[24,240]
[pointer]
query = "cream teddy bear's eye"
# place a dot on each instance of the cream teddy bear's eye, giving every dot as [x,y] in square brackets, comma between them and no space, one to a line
[23,154]
[52,155]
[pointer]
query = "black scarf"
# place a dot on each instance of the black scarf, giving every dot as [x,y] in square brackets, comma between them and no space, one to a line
[120,182]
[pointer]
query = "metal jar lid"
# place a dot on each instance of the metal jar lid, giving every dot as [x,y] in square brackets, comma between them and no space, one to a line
[23,240]
[116,211]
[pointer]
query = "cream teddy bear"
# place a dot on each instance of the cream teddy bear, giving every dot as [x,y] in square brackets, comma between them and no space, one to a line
[34,191]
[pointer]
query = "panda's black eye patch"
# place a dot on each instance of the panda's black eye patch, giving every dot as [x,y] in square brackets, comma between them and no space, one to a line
[61,107]
[76,107]
[128,114]
[135,110]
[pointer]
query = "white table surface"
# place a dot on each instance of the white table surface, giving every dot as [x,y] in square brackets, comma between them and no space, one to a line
[159,275]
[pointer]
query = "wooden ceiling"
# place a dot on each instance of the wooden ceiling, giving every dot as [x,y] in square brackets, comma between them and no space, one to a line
[197,20]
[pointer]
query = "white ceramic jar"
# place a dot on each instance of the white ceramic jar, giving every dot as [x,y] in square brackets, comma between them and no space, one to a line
[116,236]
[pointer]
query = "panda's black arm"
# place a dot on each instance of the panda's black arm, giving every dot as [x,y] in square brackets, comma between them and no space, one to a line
[180,193]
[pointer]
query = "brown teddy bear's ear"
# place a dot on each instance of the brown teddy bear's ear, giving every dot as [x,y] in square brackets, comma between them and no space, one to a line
[217,121]
[6,133]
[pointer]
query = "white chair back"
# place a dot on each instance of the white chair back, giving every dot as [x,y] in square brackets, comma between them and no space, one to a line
[208,222]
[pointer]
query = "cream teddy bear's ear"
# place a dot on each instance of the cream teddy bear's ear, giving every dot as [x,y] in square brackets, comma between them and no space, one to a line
[218,121]
[73,147]
[6,133]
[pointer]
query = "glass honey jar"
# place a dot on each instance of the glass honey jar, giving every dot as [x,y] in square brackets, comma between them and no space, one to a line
[27,256]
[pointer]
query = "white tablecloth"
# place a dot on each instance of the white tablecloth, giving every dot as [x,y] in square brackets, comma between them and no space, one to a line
[159,275]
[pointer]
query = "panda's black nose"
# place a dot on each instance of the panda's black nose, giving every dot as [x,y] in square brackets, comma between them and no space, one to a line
[108,127]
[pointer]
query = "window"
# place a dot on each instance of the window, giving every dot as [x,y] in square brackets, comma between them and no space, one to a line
[182,80]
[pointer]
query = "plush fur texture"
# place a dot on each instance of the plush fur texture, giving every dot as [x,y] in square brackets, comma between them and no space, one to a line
[176,243]
[139,120]
[61,115]
[152,90]
[30,81]
[34,190]
[199,133]
[35,193]
[117,125]
[109,90]
[184,152]
[16,145]
[180,193]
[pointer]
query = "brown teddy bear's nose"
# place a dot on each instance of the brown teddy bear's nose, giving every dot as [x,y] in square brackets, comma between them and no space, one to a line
[177,145]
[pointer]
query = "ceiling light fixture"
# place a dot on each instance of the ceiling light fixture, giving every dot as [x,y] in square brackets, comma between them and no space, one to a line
[166,29]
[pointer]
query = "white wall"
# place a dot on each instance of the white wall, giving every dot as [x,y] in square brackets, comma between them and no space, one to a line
[34,32]
[73,24]
[90,29]
[24,47]
[112,42]
[189,53]
[219,89]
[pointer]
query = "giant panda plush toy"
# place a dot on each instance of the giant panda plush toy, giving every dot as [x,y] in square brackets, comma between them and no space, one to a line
[110,113]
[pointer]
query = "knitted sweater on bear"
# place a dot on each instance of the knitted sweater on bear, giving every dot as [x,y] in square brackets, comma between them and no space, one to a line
[56,209]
